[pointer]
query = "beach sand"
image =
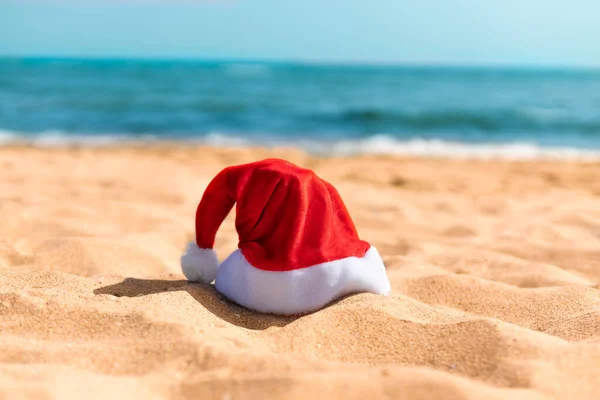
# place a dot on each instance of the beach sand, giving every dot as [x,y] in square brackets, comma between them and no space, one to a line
[494,268]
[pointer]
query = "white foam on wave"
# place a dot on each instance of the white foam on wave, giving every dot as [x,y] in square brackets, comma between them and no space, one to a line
[58,139]
[51,139]
[7,137]
[388,145]
[379,144]
[220,140]
[440,148]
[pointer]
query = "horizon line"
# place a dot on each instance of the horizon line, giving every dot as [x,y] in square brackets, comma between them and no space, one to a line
[309,62]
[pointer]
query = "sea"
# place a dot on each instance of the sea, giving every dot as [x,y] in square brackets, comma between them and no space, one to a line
[326,109]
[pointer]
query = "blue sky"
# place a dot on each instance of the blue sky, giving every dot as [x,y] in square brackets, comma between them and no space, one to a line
[520,32]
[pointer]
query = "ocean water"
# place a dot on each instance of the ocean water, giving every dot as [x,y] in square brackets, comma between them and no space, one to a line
[322,108]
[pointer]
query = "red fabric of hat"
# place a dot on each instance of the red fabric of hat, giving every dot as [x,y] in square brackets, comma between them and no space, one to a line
[287,218]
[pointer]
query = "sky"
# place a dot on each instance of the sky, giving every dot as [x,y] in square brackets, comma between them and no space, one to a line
[514,32]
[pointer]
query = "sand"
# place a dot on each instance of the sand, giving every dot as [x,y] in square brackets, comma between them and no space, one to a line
[494,268]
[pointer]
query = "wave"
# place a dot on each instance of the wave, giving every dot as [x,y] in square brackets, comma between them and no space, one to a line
[58,138]
[527,119]
[382,144]
[378,144]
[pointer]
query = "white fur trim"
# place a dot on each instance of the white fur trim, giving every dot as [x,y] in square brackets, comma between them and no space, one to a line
[199,265]
[303,290]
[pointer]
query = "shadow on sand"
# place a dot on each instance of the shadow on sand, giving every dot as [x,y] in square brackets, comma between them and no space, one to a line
[204,294]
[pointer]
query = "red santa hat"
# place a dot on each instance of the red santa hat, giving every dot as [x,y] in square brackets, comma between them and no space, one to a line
[298,247]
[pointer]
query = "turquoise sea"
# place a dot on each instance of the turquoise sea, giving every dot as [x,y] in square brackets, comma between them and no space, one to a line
[443,111]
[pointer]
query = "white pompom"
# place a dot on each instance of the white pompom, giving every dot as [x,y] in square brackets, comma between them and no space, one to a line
[199,265]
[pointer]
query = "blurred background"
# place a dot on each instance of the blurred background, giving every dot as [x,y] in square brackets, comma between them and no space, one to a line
[500,78]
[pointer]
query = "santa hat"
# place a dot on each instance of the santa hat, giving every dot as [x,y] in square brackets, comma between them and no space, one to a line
[298,247]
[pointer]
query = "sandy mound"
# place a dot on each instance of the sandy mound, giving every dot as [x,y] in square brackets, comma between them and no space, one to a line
[494,268]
